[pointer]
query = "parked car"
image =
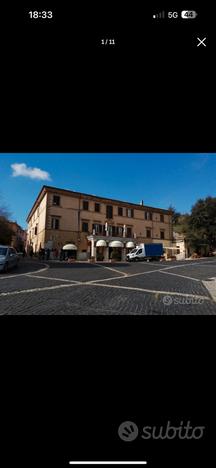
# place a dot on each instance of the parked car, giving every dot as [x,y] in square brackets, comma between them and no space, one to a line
[8,258]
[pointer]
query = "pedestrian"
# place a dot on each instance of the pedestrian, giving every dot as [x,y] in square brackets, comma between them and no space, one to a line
[47,254]
[40,254]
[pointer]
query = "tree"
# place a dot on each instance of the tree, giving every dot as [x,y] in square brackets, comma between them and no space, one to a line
[6,232]
[181,225]
[175,214]
[201,230]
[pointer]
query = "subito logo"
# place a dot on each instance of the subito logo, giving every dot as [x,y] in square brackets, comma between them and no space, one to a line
[128,431]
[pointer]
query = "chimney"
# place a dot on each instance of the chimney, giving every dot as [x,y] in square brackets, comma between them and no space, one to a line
[142,203]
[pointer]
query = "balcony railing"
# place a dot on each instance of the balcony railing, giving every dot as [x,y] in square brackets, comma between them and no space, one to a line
[111,234]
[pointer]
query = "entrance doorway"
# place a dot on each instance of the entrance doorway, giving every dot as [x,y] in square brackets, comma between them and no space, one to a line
[115,253]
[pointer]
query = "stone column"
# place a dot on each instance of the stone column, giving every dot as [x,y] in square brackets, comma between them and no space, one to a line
[93,248]
[124,254]
[106,253]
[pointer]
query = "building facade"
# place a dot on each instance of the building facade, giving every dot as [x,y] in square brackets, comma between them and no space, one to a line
[19,236]
[94,225]
[181,246]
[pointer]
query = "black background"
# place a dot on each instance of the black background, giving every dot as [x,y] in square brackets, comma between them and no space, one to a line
[63,91]
[68,382]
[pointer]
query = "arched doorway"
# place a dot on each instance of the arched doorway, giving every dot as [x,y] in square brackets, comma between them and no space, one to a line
[69,251]
[115,250]
[101,246]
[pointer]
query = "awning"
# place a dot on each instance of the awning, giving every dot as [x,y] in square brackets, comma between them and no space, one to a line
[101,243]
[130,245]
[116,244]
[69,247]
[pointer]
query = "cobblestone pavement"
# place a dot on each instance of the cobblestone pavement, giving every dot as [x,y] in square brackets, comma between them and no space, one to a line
[154,288]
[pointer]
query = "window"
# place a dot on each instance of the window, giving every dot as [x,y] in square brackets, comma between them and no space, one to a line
[148,216]
[120,231]
[129,232]
[129,213]
[120,211]
[98,228]
[110,230]
[56,200]
[148,233]
[114,230]
[84,226]
[162,235]
[86,205]
[109,211]
[97,207]
[35,231]
[55,223]
[162,218]
[139,251]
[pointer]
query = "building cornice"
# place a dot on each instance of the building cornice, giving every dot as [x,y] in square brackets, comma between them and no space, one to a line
[49,189]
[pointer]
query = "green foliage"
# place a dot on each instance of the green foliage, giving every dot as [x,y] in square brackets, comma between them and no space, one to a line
[182,224]
[202,223]
[175,215]
[198,227]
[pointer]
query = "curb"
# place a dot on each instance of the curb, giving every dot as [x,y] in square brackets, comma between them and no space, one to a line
[211,287]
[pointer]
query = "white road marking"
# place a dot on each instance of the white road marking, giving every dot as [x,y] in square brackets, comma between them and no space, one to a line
[181,276]
[61,286]
[167,293]
[39,271]
[167,268]
[189,264]
[124,277]
[211,287]
[127,275]
[144,273]
[95,282]
[112,269]
[105,279]
[46,288]
[54,279]
[24,274]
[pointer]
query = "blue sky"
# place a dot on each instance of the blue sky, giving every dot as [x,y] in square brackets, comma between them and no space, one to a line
[158,179]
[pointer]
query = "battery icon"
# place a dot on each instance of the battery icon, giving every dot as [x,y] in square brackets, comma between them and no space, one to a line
[188,14]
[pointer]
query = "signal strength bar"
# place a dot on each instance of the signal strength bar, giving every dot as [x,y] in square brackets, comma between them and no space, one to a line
[160,15]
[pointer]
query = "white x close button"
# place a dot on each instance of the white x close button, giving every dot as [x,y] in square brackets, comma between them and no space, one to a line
[201,42]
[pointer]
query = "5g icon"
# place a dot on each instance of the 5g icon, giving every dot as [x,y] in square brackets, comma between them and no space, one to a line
[172,14]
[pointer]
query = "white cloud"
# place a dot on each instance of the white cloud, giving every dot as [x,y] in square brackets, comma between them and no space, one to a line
[33,172]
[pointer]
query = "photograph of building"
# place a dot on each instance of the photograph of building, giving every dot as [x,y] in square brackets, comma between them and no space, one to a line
[92,226]
[108,234]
